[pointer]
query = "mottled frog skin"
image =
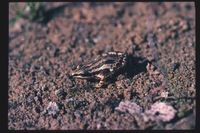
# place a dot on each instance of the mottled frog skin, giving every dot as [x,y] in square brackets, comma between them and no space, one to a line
[102,68]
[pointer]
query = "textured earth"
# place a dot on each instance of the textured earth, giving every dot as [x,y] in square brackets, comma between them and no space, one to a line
[45,49]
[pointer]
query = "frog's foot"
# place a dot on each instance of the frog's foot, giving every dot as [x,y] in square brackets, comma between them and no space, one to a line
[101,84]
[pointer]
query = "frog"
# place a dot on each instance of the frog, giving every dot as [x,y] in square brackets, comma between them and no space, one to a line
[102,69]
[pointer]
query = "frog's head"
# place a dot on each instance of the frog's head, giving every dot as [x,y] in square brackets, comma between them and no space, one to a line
[81,73]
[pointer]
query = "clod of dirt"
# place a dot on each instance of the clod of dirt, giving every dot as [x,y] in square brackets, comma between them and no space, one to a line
[161,111]
[52,108]
[175,66]
[60,93]
[151,69]
[131,107]
[185,123]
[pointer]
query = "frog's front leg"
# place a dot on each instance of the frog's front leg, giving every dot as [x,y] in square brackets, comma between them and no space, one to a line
[100,84]
[102,81]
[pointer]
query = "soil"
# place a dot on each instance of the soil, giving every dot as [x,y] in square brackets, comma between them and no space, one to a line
[43,52]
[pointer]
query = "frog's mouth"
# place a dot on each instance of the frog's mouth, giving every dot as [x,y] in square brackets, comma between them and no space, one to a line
[82,75]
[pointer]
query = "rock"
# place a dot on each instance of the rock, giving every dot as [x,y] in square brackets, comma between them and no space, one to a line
[52,108]
[60,93]
[131,107]
[161,111]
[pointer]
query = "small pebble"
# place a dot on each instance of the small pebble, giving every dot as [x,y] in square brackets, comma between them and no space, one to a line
[60,93]
[175,66]
[52,108]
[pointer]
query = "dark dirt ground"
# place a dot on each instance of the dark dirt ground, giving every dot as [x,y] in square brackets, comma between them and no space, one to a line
[42,54]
